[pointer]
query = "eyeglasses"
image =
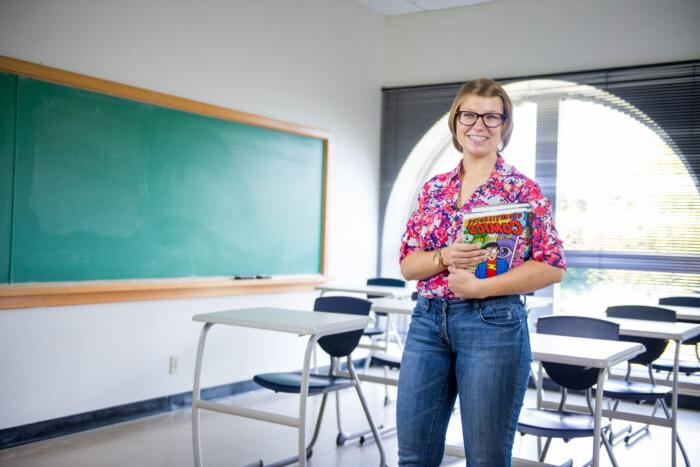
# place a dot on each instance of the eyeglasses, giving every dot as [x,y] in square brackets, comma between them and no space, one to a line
[491,119]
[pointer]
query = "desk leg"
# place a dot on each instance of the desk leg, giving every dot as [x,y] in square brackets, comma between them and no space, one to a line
[602,374]
[539,378]
[539,384]
[196,395]
[674,404]
[323,292]
[303,396]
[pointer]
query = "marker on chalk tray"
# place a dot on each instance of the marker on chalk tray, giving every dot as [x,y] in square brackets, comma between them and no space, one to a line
[251,277]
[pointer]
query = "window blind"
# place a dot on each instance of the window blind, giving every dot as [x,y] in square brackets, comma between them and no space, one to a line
[618,152]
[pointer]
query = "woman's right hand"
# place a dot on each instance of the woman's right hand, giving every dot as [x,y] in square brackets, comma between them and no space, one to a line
[463,255]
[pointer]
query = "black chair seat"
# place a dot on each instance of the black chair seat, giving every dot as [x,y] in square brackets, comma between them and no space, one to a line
[385,359]
[632,390]
[291,382]
[556,424]
[684,366]
[374,331]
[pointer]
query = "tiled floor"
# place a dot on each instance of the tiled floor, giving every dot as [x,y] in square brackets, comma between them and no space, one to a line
[165,440]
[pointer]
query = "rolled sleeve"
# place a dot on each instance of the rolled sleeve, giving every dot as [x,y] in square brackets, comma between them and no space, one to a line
[546,245]
[411,239]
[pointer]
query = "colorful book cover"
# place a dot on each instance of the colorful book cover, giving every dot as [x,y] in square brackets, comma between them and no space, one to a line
[502,231]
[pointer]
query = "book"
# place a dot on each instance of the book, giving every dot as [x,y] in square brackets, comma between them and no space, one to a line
[503,231]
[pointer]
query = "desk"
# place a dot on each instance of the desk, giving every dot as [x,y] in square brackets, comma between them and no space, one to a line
[378,290]
[393,305]
[304,323]
[593,353]
[677,332]
[685,313]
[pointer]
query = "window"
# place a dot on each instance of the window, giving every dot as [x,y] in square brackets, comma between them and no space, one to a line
[618,153]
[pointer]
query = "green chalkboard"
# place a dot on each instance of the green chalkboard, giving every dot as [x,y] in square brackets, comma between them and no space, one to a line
[110,188]
[8,87]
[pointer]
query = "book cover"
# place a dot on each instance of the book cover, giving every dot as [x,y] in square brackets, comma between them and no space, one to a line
[502,231]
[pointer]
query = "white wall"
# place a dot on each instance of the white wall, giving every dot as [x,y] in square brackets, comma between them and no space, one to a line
[319,63]
[531,37]
[313,62]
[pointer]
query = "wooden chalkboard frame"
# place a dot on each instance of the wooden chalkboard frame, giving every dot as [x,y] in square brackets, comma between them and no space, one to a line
[83,292]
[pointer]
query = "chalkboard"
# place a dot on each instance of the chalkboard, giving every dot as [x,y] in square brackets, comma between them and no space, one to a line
[8,85]
[109,188]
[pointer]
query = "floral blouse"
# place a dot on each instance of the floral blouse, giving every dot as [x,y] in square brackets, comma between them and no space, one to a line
[436,220]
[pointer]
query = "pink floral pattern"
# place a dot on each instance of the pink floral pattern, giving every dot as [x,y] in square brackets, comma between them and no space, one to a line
[435,222]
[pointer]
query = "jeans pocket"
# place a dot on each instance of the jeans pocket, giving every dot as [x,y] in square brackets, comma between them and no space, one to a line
[501,315]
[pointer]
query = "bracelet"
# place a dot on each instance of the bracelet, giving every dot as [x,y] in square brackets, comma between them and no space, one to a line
[437,259]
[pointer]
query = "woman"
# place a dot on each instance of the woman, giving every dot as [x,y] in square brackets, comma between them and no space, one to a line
[469,336]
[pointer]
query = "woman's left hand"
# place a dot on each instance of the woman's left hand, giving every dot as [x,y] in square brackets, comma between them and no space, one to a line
[464,284]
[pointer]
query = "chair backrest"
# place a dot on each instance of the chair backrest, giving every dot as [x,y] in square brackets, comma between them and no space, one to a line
[680,301]
[571,376]
[385,282]
[342,344]
[683,301]
[649,313]
[654,347]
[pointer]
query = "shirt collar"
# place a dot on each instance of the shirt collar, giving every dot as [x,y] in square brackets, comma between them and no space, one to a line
[498,168]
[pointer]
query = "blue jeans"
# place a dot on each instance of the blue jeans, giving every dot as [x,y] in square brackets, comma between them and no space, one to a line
[479,349]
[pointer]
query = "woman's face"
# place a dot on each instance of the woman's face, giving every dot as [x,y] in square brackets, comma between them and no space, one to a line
[477,139]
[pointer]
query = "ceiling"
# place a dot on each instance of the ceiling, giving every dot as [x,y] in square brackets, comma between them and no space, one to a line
[402,7]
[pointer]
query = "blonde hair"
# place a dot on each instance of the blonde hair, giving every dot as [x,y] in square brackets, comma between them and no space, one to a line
[483,87]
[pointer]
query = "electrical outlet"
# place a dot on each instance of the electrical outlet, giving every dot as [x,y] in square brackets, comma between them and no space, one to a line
[173,365]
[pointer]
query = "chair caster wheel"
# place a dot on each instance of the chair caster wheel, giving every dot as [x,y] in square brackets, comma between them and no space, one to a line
[309,453]
[340,439]
[362,440]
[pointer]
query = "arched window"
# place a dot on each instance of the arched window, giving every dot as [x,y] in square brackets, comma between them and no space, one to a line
[625,195]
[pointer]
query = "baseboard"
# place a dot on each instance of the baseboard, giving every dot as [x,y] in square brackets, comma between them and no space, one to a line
[24,434]
[16,436]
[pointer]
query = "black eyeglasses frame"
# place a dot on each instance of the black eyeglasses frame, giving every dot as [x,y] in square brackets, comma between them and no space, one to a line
[459,113]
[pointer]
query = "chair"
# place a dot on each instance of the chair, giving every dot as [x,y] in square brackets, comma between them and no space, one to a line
[337,346]
[377,329]
[559,423]
[684,366]
[639,392]
[388,332]
[376,356]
